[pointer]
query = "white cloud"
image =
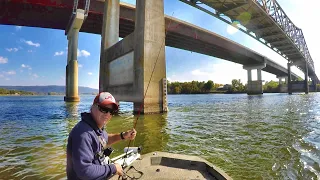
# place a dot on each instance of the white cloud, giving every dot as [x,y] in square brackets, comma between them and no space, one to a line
[7,79]
[10,72]
[35,75]
[90,73]
[18,28]
[26,66]
[30,51]
[83,53]
[58,53]
[3,60]
[80,65]
[12,49]
[32,43]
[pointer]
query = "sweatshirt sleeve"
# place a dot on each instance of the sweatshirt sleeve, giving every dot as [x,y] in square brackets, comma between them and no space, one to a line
[82,156]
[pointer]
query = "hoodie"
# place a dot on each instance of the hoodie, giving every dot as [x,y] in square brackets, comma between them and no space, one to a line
[83,144]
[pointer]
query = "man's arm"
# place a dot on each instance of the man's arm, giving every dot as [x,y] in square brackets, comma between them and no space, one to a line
[82,156]
[114,138]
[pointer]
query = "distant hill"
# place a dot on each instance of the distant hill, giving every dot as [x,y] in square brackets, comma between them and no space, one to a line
[47,89]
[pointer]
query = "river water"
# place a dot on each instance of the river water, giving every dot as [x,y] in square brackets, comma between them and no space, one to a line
[272,136]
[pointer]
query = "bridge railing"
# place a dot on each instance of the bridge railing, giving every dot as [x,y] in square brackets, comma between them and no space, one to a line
[273,9]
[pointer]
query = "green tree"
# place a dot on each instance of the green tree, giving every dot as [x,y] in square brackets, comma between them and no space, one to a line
[271,86]
[208,86]
[194,87]
[237,86]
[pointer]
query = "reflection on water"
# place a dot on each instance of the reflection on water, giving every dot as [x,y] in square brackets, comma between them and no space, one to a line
[272,136]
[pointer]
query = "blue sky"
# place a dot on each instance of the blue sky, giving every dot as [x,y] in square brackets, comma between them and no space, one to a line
[37,56]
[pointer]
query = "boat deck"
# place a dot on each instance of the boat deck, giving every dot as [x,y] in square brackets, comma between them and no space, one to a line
[162,165]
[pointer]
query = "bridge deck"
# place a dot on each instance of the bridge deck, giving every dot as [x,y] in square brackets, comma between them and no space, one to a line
[267,20]
[56,15]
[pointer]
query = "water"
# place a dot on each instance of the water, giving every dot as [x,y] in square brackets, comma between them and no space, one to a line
[274,136]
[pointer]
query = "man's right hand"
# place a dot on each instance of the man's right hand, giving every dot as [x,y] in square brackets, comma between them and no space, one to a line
[119,169]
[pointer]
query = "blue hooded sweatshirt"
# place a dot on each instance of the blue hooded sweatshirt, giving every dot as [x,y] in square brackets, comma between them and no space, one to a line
[83,144]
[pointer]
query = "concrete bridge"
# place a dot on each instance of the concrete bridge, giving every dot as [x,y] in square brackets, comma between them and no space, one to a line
[127,65]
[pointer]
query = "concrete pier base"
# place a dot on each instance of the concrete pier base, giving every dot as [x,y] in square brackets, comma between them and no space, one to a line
[306,78]
[283,88]
[149,56]
[254,87]
[289,79]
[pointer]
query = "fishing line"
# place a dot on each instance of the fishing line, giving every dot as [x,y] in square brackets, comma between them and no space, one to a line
[135,123]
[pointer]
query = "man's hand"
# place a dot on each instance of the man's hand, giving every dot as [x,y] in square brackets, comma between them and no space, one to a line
[119,169]
[130,134]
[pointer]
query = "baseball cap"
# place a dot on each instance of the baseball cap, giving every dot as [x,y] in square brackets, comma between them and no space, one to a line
[105,98]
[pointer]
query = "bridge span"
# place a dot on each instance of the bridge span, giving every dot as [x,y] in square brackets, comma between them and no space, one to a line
[179,34]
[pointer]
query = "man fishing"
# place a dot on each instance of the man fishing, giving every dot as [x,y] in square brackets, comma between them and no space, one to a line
[88,142]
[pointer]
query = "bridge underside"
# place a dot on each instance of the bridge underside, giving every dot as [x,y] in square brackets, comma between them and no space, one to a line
[180,34]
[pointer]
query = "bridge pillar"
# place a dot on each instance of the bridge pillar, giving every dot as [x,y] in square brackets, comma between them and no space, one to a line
[149,57]
[306,78]
[289,79]
[283,87]
[254,87]
[314,82]
[109,37]
[72,94]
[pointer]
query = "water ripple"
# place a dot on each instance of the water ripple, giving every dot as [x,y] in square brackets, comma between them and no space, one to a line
[274,136]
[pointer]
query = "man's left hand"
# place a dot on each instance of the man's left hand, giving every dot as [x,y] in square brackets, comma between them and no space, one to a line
[130,134]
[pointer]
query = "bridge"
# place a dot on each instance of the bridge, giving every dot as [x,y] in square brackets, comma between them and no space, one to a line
[265,21]
[130,55]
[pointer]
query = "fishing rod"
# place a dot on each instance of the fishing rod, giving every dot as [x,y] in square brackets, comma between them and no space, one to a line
[140,108]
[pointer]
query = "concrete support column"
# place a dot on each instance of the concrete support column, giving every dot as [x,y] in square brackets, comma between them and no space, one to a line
[249,75]
[280,81]
[254,87]
[259,74]
[306,78]
[72,94]
[109,37]
[149,52]
[283,88]
[289,79]
[286,80]
[67,67]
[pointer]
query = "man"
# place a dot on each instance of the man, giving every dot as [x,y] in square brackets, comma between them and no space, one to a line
[88,140]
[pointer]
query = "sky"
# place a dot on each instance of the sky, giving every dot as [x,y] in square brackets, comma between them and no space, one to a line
[38,56]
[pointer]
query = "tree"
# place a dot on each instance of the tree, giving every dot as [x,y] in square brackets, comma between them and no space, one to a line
[208,85]
[271,86]
[237,86]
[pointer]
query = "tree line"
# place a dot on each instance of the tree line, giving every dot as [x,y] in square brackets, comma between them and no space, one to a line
[198,87]
[236,86]
[4,91]
[15,92]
